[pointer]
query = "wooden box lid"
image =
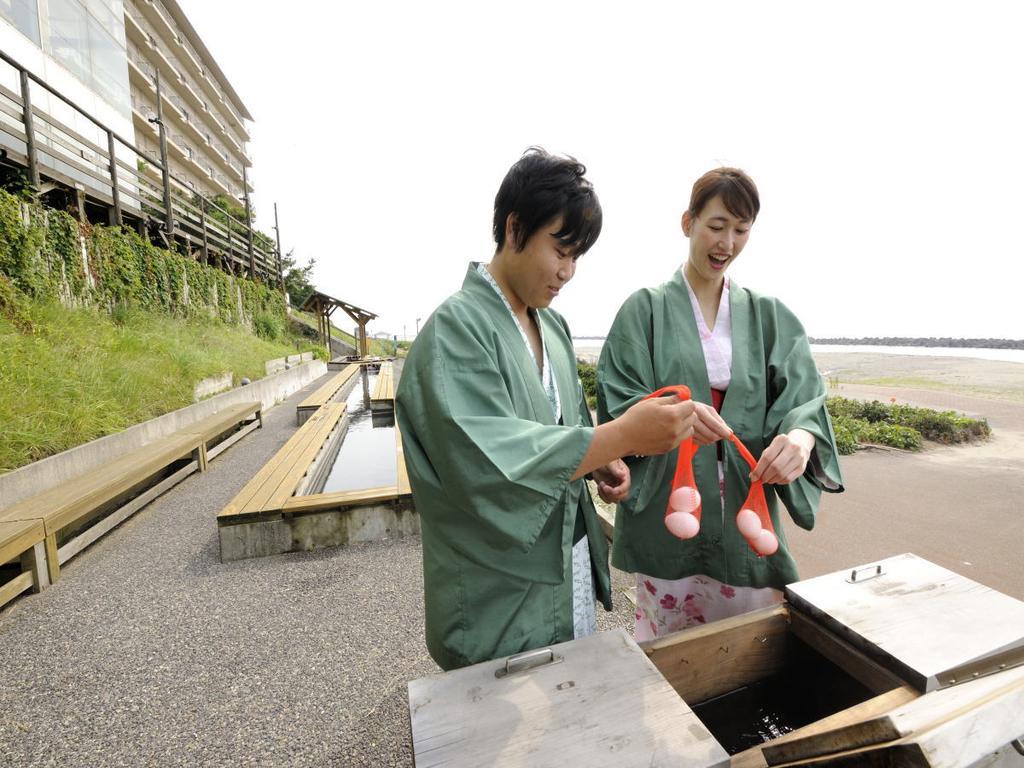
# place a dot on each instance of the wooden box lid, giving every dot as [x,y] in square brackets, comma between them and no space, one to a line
[596,701]
[932,627]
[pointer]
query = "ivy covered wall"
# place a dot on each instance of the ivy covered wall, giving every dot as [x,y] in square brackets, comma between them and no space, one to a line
[46,253]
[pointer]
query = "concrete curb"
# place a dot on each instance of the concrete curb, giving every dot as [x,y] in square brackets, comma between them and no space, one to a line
[46,473]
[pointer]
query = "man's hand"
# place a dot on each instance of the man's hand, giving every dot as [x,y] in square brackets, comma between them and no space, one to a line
[612,481]
[785,458]
[657,425]
[709,426]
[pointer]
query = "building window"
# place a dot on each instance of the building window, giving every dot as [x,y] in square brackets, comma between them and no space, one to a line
[24,15]
[81,42]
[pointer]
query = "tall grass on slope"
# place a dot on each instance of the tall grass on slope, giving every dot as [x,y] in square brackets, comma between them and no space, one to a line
[68,376]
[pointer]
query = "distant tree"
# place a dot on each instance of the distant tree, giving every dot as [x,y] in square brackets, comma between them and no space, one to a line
[296,278]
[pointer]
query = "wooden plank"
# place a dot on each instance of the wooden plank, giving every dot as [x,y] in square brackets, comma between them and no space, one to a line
[385,388]
[844,655]
[830,734]
[704,662]
[66,503]
[17,536]
[949,727]
[130,474]
[34,561]
[930,625]
[221,421]
[322,501]
[328,390]
[227,442]
[404,488]
[243,500]
[15,587]
[285,489]
[115,518]
[52,559]
[254,496]
[593,702]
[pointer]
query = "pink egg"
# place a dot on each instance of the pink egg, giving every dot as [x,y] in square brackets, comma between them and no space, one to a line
[748,523]
[682,524]
[684,499]
[766,543]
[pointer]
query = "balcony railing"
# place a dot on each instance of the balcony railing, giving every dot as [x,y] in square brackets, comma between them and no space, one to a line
[112,172]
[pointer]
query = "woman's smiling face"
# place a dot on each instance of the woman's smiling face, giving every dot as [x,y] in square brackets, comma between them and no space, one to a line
[716,239]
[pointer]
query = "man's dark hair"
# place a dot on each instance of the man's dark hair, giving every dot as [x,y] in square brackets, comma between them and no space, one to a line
[540,188]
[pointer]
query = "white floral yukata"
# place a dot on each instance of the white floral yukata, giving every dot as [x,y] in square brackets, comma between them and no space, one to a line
[664,605]
[584,607]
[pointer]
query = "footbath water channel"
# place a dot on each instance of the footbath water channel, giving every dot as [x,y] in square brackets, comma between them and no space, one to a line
[366,456]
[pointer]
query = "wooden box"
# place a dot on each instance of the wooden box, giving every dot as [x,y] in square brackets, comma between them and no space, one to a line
[901,663]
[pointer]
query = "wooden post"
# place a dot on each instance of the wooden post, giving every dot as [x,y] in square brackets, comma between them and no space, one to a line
[30,132]
[202,221]
[277,233]
[115,193]
[248,222]
[168,207]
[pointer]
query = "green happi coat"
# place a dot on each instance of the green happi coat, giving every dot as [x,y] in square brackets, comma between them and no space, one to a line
[775,387]
[491,479]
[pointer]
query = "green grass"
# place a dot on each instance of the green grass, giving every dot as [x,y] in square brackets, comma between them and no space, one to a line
[68,376]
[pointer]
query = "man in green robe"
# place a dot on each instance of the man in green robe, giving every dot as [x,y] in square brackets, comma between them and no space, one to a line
[775,389]
[498,438]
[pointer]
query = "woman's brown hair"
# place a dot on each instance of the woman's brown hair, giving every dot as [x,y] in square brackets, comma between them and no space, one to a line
[737,190]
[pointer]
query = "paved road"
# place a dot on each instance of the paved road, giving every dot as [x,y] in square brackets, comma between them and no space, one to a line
[960,506]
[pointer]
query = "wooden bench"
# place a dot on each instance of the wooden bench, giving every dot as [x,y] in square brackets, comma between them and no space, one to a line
[240,420]
[276,481]
[129,482]
[383,398]
[324,393]
[23,540]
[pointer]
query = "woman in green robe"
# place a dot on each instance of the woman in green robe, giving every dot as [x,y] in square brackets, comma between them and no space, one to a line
[747,361]
[498,438]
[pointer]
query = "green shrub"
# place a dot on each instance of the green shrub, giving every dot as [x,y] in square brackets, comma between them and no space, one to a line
[901,426]
[893,435]
[588,378]
[268,326]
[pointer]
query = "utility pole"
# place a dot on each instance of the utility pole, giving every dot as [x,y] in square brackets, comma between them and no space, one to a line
[159,120]
[277,233]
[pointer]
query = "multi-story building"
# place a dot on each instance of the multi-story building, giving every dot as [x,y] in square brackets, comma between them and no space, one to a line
[204,117]
[91,68]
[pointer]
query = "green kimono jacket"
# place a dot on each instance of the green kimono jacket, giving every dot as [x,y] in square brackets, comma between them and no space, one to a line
[491,479]
[775,387]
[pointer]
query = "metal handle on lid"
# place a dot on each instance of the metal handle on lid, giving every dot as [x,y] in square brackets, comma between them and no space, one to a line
[522,662]
[1018,744]
[855,578]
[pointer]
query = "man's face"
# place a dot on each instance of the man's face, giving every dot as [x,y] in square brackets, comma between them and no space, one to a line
[543,267]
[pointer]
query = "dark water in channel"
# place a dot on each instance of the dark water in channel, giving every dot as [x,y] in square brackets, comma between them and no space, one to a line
[808,689]
[367,455]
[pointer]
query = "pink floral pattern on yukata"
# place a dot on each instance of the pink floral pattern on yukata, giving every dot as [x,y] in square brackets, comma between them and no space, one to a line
[669,606]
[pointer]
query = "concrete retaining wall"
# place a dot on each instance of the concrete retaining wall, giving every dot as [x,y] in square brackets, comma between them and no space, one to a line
[46,473]
[331,528]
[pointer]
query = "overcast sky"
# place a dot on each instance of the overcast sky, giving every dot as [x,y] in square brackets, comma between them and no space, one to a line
[885,138]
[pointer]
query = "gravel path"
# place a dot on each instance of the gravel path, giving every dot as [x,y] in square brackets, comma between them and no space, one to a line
[151,652]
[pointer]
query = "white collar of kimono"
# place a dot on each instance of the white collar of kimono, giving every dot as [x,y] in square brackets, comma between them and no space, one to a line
[716,343]
[547,374]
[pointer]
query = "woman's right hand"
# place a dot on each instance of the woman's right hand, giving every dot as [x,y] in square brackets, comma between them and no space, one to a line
[657,425]
[709,427]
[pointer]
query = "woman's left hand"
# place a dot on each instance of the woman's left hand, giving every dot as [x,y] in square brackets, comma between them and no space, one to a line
[612,481]
[785,458]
